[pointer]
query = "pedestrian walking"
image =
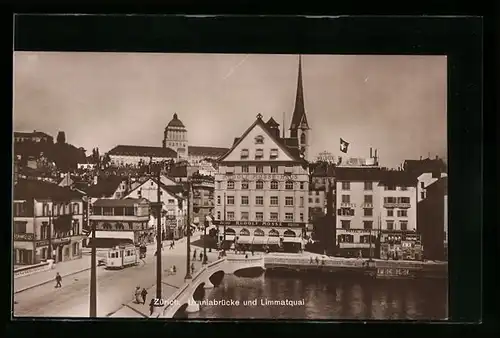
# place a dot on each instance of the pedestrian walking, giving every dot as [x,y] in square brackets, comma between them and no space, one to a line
[173,244]
[201,256]
[317,260]
[192,267]
[310,260]
[144,294]
[138,296]
[194,254]
[58,280]
[174,269]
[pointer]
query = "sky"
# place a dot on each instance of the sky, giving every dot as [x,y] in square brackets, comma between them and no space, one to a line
[397,104]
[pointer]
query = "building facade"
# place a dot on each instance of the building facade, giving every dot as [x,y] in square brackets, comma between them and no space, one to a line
[203,197]
[174,208]
[433,220]
[358,210]
[122,216]
[39,206]
[123,155]
[398,217]
[35,136]
[262,189]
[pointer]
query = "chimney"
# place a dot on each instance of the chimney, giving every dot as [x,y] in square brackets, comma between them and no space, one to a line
[371,154]
[437,157]
[420,158]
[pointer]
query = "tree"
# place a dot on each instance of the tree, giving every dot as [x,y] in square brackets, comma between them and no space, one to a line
[61,137]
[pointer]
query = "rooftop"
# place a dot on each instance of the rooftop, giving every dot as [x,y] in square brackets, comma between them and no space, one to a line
[175,122]
[26,189]
[398,178]
[31,134]
[128,150]
[358,174]
[126,202]
[206,151]
[105,187]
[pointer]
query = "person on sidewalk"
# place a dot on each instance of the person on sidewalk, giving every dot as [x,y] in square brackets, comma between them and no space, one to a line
[194,255]
[192,267]
[144,294]
[174,269]
[201,256]
[138,296]
[58,280]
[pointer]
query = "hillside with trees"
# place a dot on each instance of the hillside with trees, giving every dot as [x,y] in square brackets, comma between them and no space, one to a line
[65,156]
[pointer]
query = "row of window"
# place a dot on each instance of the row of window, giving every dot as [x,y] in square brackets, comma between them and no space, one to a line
[347,238]
[259,154]
[259,216]
[259,200]
[403,225]
[369,186]
[61,209]
[118,211]
[259,185]
[368,199]
[368,212]
[20,228]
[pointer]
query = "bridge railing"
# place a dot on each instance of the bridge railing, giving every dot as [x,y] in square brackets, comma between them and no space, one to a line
[175,298]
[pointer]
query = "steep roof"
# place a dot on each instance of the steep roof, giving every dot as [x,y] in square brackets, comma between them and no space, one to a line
[358,174]
[272,123]
[398,178]
[128,150]
[292,151]
[105,186]
[126,202]
[31,134]
[175,122]
[206,151]
[28,189]
[418,167]
[299,112]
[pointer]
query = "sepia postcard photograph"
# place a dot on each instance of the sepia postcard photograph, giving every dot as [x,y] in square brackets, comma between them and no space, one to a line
[230,186]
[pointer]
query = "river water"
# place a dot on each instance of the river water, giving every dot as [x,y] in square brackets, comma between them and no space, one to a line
[331,298]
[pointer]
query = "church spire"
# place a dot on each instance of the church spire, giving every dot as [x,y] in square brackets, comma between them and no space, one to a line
[299,119]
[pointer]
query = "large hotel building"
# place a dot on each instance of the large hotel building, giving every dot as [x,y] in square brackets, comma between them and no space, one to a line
[262,184]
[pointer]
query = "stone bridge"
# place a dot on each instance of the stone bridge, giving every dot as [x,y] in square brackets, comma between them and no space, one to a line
[183,297]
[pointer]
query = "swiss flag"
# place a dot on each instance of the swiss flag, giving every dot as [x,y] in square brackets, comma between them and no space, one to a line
[343,146]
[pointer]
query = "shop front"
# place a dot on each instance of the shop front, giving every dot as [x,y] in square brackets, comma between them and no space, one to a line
[24,249]
[291,242]
[358,243]
[401,246]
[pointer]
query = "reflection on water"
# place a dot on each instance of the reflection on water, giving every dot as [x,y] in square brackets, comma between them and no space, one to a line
[334,298]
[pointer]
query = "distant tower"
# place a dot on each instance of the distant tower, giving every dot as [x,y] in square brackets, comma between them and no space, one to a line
[175,137]
[299,128]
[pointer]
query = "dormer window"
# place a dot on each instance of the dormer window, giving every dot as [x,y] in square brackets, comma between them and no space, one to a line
[274,154]
[244,153]
[259,154]
[259,139]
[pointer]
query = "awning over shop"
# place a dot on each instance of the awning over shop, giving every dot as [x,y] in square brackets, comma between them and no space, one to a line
[273,241]
[245,240]
[114,234]
[107,243]
[292,240]
[259,240]
[230,238]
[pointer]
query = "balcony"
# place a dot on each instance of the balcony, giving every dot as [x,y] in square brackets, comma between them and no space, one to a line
[367,205]
[397,205]
[347,205]
[119,218]
[24,237]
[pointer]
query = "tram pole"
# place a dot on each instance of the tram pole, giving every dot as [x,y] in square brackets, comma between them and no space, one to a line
[188,244]
[93,277]
[158,237]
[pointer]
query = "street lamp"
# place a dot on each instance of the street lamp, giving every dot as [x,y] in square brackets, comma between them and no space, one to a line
[205,225]
[188,227]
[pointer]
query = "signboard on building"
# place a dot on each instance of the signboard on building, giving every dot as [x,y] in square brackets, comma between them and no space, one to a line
[41,243]
[263,177]
[24,237]
[260,224]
